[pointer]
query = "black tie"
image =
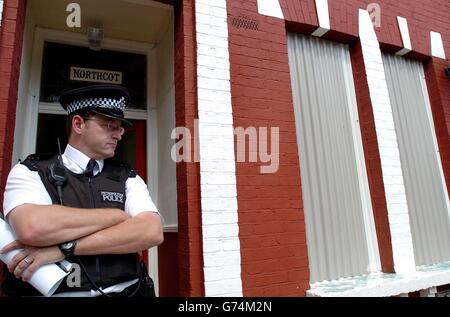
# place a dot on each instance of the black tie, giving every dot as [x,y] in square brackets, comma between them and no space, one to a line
[89,172]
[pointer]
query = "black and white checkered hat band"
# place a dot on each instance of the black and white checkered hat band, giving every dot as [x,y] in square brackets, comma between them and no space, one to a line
[108,103]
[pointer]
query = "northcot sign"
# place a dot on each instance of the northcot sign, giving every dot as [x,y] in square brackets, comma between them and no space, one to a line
[95,75]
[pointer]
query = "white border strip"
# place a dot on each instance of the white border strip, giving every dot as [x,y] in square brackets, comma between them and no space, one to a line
[323,17]
[402,246]
[220,229]
[437,47]
[404,32]
[270,8]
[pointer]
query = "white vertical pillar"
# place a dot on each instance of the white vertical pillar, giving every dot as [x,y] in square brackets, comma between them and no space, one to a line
[404,33]
[437,47]
[399,223]
[323,17]
[220,230]
[270,8]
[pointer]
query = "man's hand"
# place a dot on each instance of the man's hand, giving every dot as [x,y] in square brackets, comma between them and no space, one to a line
[28,260]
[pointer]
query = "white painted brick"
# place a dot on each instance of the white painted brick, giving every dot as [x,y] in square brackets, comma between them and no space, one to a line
[215,95]
[215,178]
[398,208]
[389,153]
[201,8]
[220,152]
[231,244]
[222,258]
[226,218]
[395,189]
[211,61]
[210,129]
[213,274]
[230,272]
[381,103]
[205,11]
[224,166]
[391,171]
[382,126]
[383,116]
[399,219]
[230,217]
[210,40]
[211,218]
[215,259]
[228,288]
[219,12]
[218,204]
[221,231]
[212,231]
[213,84]
[222,191]
[393,199]
[403,251]
[212,245]
[210,19]
[394,180]
[212,30]
[210,72]
[216,139]
[217,107]
[215,117]
[212,3]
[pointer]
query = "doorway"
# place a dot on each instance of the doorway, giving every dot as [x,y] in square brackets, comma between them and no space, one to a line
[140,46]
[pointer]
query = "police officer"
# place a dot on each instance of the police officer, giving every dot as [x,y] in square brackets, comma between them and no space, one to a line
[107,216]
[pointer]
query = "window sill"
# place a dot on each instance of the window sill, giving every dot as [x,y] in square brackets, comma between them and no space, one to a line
[383,284]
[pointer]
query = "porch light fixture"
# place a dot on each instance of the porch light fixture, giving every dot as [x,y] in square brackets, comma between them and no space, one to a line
[95,37]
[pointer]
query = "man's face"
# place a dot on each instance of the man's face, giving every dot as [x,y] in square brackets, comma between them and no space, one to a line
[101,135]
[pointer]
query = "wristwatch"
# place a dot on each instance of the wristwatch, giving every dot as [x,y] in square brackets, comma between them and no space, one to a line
[68,249]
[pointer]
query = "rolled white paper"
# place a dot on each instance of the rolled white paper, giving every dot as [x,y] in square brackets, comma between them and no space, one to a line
[46,279]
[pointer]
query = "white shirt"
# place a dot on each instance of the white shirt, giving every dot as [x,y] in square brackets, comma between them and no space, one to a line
[25,187]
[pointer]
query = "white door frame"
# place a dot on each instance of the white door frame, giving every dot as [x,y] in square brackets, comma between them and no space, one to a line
[34,107]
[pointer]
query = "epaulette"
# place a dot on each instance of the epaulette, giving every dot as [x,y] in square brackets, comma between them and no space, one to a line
[32,159]
[122,165]
[131,171]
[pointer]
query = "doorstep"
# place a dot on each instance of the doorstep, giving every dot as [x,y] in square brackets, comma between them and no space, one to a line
[383,284]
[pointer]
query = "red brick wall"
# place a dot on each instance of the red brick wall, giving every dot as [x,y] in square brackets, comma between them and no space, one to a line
[11,33]
[10,54]
[259,64]
[190,255]
[271,223]
[438,86]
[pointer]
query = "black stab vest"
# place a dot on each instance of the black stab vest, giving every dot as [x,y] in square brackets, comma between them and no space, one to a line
[105,190]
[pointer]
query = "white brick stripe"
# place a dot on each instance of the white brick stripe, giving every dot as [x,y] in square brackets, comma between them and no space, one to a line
[323,16]
[437,47]
[270,8]
[404,32]
[399,222]
[220,230]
